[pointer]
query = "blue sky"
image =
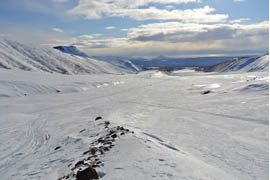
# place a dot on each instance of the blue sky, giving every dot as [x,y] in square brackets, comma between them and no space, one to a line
[141,27]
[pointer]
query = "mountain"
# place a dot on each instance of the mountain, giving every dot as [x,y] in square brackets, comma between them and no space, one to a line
[122,62]
[242,64]
[71,50]
[162,62]
[16,55]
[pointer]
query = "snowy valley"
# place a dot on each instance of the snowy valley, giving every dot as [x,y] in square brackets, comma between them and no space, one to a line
[179,125]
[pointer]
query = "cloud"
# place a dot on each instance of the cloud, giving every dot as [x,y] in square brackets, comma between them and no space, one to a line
[192,32]
[176,38]
[110,27]
[57,30]
[90,36]
[97,9]
[239,20]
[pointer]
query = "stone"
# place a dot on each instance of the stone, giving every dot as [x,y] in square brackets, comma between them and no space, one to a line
[58,147]
[114,136]
[87,174]
[98,118]
[206,92]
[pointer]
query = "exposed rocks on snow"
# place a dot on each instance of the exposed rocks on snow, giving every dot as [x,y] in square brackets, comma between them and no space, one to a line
[86,174]
[206,92]
[98,118]
[58,147]
[85,169]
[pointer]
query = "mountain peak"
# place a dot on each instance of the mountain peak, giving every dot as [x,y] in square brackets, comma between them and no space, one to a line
[71,50]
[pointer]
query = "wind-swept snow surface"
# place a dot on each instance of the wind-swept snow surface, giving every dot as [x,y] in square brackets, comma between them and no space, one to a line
[15,55]
[191,125]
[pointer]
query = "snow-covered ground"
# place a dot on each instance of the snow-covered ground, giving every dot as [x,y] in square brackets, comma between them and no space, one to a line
[187,125]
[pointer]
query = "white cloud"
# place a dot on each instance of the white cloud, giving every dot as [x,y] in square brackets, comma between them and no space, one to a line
[191,32]
[110,27]
[57,30]
[98,9]
[90,36]
[177,37]
[239,20]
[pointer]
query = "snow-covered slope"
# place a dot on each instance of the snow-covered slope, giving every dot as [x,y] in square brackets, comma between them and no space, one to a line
[243,64]
[15,55]
[120,62]
[191,125]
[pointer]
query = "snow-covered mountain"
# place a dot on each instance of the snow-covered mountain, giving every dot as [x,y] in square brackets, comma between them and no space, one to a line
[71,50]
[243,64]
[15,55]
[123,63]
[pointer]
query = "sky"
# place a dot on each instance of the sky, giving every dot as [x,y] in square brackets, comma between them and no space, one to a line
[141,27]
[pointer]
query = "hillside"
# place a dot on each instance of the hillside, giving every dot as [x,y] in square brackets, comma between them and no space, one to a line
[242,64]
[123,63]
[15,55]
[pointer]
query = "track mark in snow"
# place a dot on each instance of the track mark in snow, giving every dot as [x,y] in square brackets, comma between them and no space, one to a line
[154,137]
[170,147]
[161,142]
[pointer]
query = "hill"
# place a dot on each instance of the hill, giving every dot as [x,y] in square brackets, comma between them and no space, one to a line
[16,55]
[242,64]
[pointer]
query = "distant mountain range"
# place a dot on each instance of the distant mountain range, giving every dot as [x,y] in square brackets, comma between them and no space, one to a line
[160,62]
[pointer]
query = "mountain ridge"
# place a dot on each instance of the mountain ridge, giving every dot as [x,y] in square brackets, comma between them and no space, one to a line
[16,55]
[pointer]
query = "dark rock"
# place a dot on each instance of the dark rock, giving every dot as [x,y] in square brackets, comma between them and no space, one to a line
[58,91]
[114,136]
[107,122]
[95,166]
[86,152]
[87,174]
[58,147]
[93,150]
[122,133]
[98,118]
[82,130]
[206,92]
[107,142]
[91,157]
[111,132]
[101,140]
[122,128]
[79,163]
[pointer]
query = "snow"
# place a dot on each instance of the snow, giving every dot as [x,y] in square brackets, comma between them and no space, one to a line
[15,55]
[179,133]
[244,64]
